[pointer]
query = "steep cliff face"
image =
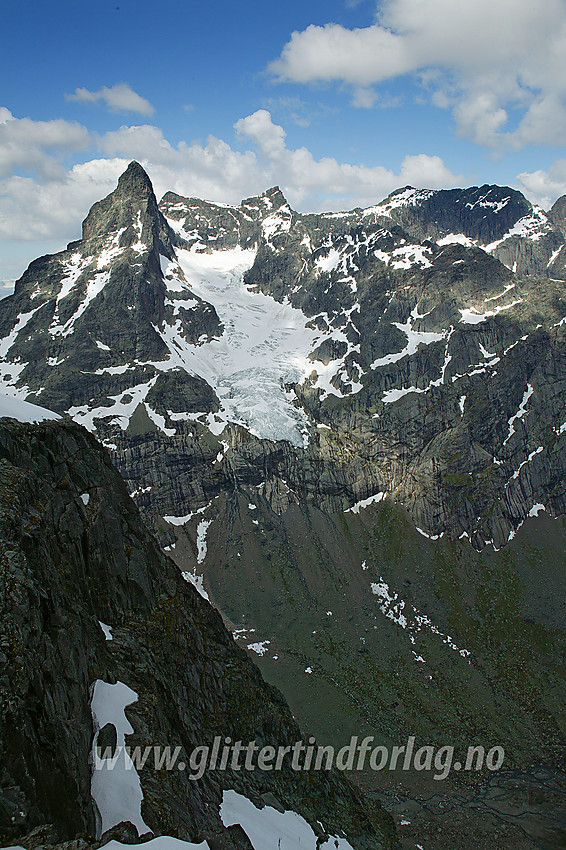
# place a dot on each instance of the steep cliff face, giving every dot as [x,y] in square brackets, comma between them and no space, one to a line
[174,331]
[88,598]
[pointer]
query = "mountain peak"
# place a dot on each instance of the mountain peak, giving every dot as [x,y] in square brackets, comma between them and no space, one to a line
[272,199]
[276,196]
[134,194]
[135,180]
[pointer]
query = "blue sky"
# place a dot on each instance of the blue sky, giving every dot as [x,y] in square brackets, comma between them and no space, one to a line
[337,102]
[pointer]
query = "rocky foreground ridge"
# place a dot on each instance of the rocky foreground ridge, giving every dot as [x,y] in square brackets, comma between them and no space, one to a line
[77,567]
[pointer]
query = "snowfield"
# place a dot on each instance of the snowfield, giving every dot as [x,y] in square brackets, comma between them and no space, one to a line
[15,408]
[264,346]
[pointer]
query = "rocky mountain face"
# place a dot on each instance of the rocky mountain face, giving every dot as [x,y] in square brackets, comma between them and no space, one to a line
[154,323]
[347,429]
[88,600]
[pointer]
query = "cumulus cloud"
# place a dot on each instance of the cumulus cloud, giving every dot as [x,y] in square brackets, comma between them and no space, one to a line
[216,171]
[37,145]
[31,209]
[326,183]
[481,57]
[544,187]
[119,98]
[364,98]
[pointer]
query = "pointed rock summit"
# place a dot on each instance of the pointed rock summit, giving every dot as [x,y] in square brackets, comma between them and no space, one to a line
[132,210]
[135,180]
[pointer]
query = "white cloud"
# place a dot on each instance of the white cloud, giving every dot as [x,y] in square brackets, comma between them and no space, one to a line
[483,57]
[544,187]
[119,98]
[259,128]
[36,145]
[31,209]
[218,172]
[364,98]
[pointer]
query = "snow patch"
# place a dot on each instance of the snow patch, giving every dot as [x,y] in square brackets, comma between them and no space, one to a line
[115,790]
[23,411]
[162,842]
[471,316]
[106,629]
[197,582]
[520,413]
[456,238]
[414,339]
[260,647]
[430,536]
[9,340]
[363,503]
[395,609]
[202,529]
[269,829]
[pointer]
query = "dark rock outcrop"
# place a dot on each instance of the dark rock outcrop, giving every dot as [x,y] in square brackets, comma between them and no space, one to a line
[69,562]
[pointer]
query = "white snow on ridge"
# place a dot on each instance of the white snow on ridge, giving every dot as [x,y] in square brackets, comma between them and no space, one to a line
[15,408]
[408,197]
[532,226]
[115,784]
[456,238]
[520,413]
[414,339]
[497,206]
[269,829]
[162,842]
[363,503]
